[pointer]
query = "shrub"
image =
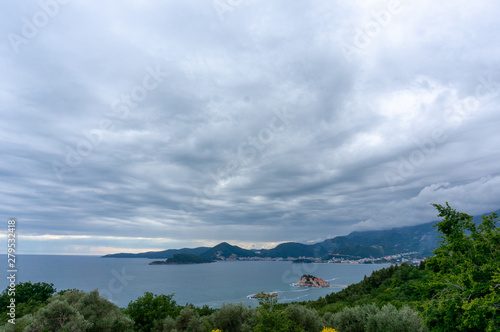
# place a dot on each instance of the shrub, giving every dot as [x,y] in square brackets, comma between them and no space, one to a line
[102,315]
[29,298]
[149,310]
[391,319]
[352,319]
[233,318]
[272,318]
[75,310]
[371,318]
[57,316]
[306,318]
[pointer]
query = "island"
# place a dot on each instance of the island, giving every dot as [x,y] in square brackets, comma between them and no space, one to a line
[262,295]
[183,259]
[308,280]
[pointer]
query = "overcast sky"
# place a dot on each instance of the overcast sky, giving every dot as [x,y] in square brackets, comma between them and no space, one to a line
[128,126]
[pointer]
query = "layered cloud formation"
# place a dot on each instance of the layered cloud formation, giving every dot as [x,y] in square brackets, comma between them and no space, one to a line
[134,125]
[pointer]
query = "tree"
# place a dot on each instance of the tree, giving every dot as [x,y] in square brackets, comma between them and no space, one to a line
[466,279]
[271,317]
[102,315]
[148,310]
[29,297]
[233,317]
[74,310]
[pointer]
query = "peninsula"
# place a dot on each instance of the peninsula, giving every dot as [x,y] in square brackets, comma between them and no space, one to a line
[183,259]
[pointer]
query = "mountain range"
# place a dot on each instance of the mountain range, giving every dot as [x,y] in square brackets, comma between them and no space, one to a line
[421,239]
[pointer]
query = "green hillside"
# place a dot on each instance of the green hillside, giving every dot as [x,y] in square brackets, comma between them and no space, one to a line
[356,251]
[224,249]
[160,254]
[294,249]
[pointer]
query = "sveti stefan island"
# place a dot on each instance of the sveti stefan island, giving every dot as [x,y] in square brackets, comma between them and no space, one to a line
[250,166]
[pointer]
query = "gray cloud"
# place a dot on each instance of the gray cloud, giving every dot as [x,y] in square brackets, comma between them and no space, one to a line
[135,126]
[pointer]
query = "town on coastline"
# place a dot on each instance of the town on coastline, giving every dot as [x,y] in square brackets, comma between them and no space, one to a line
[409,258]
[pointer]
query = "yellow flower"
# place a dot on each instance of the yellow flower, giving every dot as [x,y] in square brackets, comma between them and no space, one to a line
[328,329]
[216,330]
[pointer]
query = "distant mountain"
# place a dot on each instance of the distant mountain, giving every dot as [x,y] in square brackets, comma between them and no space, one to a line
[294,249]
[421,239]
[161,254]
[357,250]
[225,250]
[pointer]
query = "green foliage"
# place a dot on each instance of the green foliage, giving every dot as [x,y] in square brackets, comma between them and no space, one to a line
[351,319]
[357,250]
[204,311]
[371,318]
[75,310]
[150,309]
[98,311]
[29,297]
[466,274]
[305,318]
[233,318]
[56,316]
[271,317]
[388,318]
[307,276]
[397,285]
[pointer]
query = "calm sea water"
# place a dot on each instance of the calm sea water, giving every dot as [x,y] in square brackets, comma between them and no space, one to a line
[122,280]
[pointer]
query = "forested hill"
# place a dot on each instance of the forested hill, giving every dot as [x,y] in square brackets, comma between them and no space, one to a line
[169,253]
[420,238]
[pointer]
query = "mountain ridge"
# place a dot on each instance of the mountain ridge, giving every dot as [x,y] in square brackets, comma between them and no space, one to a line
[419,239]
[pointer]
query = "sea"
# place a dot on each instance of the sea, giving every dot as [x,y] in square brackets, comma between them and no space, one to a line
[122,280]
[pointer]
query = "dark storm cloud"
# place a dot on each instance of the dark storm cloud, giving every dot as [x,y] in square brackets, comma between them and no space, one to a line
[132,126]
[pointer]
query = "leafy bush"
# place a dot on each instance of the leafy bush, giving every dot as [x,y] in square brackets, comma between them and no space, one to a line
[371,318]
[188,321]
[391,319]
[305,318]
[102,315]
[75,310]
[149,310]
[233,318]
[29,298]
[57,316]
[466,274]
[351,319]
